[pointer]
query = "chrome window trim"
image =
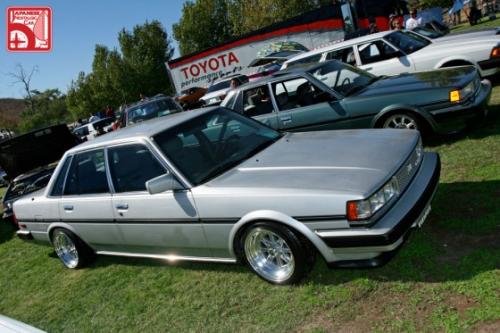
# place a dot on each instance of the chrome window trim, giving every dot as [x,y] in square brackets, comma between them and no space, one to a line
[70,158]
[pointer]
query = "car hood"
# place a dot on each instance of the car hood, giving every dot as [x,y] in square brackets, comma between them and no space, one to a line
[35,149]
[468,36]
[354,162]
[408,82]
[216,93]
[463,43]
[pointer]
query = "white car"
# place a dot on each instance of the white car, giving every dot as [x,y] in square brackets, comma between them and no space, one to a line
[397,52]
[219,89]
[91,130]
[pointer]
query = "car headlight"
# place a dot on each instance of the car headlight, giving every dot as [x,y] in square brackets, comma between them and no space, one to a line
[462,94]
[364,209]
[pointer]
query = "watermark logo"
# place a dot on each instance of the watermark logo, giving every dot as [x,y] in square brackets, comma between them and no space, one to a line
[29,29]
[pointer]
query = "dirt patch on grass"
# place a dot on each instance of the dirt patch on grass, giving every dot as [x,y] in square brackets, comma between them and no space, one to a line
[455,246]
[487,327]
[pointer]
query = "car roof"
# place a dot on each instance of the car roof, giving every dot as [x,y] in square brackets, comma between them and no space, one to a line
[335,46]
[148,100]
[142,130]
[285,74]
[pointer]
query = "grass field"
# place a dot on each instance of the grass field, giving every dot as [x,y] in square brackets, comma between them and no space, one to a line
[485,22]
[446,278]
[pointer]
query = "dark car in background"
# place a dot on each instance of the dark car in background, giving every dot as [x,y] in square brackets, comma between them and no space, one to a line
[334,95]
[29,160]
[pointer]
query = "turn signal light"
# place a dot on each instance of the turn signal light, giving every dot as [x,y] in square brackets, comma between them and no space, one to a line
[454,96]
[352,211]
[495,53]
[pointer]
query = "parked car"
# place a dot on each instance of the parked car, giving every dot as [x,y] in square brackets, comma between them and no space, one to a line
[459,36]
[190,98]
[396,52]
[28,161]
[270,63]
[154,107]
[334,95]
[213,185]
[9,325]
[219,88]
[93,129]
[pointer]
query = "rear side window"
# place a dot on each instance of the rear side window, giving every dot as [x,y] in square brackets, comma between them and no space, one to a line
[345,55]
[87,174]
[131,166]
[58,188]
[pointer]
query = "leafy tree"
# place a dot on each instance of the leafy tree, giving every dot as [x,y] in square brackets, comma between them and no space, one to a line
[50,110]
[204,23]
[119,76]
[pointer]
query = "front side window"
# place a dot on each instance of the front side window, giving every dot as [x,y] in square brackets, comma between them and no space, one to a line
[375,51]
[257,101]
[214,142]
[131,166]
[87,174]
[343,78]
[296,93]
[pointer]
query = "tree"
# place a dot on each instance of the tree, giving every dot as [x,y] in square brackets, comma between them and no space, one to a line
[23,77]
[204,23]
[119,76]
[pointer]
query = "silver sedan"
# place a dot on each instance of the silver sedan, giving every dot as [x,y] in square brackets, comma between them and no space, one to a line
[212,185]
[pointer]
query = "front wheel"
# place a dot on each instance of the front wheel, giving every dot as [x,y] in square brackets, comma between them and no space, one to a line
[275,253]
[72,252]
[403,121]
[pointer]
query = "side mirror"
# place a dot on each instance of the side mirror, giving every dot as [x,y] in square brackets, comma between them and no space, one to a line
[163,183]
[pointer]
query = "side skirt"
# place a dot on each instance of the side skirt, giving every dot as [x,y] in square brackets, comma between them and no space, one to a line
[168,257]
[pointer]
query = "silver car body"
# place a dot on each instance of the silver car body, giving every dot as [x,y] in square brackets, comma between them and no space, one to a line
[9,325]
[303,181]
[474,49]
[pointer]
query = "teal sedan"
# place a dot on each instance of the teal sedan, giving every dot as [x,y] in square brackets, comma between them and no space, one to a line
[334,95]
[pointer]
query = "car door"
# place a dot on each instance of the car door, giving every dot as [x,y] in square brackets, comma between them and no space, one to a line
[86,201]
[303,106]
[380,58]
[163,223]
[258,105]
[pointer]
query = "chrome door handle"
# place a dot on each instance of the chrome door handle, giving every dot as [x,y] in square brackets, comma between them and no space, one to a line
[68,207]
[368,68]
[286,119]
[122,206]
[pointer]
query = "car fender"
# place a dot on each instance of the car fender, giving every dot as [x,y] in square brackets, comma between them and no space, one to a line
[399,107]
[278,217]
[456,58]
[62,225]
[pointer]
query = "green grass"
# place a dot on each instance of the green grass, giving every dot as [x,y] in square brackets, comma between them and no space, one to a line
[485,22]
[446,278]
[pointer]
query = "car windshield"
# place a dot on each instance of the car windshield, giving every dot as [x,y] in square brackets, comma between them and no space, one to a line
[406,41]
[151,110]
[209,145]
[344,79]
[219,86]
[28,184]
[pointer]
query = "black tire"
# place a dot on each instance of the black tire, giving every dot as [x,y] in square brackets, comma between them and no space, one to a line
[75,258]
[301,254]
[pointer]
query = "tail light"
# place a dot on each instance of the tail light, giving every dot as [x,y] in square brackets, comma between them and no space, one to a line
[495,53]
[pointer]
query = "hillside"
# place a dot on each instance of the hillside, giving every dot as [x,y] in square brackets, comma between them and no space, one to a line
[10,110]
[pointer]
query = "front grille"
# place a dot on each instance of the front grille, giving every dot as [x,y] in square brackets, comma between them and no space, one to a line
[406,173]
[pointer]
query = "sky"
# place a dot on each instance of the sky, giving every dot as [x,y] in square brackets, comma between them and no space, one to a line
[77,27]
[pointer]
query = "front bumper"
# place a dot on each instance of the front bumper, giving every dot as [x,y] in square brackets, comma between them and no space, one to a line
[454,118]
[375,245]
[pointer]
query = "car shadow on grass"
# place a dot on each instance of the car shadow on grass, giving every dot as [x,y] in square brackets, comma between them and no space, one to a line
[476,129]
[6,231]
[458,241]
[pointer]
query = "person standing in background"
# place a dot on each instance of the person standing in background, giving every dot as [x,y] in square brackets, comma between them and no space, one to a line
[413,22]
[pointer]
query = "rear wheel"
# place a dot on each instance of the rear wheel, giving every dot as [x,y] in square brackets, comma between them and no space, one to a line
[72,251]
[275,253]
